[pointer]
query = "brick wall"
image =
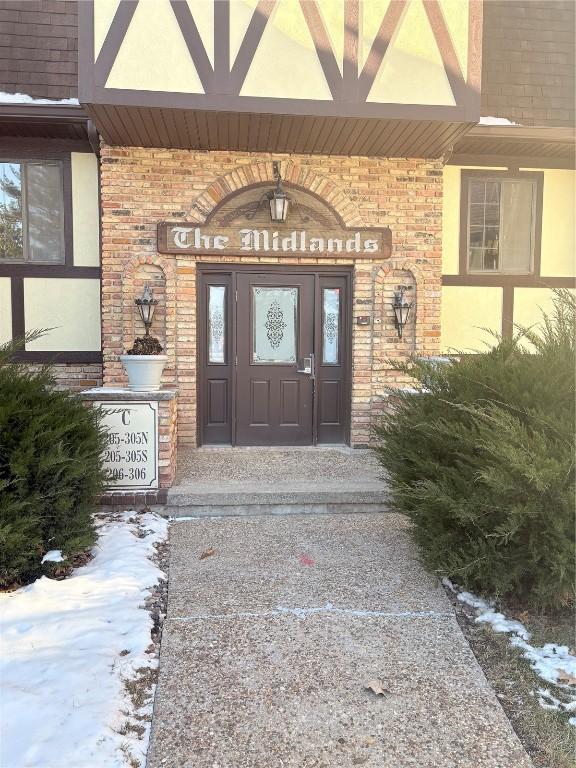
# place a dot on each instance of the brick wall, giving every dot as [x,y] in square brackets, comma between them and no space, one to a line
[39,48]
[167,441]
[528,73]
[77,376]
[141,187]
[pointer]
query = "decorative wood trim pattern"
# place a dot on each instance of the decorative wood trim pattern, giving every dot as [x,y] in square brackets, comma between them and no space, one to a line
[194,43]
[250,43]
[379,47]
[223,81]
[446,48]
[323,47]
[114,38]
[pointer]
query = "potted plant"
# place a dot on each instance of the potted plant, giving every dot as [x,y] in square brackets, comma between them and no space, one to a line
[144,361]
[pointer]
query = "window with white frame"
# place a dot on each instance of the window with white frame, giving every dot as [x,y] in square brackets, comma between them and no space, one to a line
[501,224]
[31,212]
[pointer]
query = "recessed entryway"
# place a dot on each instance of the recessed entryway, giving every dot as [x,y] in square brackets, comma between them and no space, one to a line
[274,355]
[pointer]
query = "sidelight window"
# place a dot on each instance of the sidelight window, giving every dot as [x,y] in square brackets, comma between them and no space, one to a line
[330,325]
[217,324]
[31,212]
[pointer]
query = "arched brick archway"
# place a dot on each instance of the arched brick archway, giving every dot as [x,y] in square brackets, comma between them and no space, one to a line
[257,173]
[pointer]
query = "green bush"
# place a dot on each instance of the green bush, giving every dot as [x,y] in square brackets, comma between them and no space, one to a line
[50,469]
[483,463]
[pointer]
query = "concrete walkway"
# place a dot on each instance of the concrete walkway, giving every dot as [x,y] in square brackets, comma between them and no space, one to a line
[275,626]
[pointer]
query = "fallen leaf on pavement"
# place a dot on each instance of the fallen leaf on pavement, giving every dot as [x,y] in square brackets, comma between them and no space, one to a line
[207,553]
[376,687]
[566,677]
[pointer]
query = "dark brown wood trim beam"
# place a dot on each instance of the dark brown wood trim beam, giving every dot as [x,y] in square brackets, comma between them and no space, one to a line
[48,270]
[250,43]
[516,281]
[221,44]
[60,357]
[379,47]
[512,161]
[474,64]
[323,47]
[17,301]
[508,311]
[194,42]
[68,213]
[114,39]
[26,148]
[351,37]
[234,103]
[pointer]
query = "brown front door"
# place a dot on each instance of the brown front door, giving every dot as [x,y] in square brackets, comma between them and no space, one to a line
[275,348]
[274,355]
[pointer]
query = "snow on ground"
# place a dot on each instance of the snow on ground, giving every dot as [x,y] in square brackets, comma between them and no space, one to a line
[551,662]
[68,645]
[23,98]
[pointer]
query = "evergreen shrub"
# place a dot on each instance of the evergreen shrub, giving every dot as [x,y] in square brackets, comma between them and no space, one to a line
[50,470]
[482,461]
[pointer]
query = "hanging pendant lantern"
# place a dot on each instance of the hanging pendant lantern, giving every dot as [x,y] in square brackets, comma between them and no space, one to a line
[278,199]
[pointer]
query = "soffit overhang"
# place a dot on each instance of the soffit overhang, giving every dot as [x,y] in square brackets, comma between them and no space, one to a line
[313,81]
[54,122]
[517,146]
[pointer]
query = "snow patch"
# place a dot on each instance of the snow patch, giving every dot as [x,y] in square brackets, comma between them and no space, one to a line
[54,556]
[548,661]
[496,121]
[69,645]
[23,98]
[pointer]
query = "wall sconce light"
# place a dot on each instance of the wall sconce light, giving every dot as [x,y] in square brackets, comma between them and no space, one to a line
[402,309]
[146,306]
[277,198]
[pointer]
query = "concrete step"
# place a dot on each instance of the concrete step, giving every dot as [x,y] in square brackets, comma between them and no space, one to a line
[235,498]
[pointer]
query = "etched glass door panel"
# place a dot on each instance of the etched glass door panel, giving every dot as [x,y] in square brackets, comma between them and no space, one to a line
[330,325]
[274,325]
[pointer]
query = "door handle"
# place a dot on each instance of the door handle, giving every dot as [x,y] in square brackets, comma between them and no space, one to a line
[306,365]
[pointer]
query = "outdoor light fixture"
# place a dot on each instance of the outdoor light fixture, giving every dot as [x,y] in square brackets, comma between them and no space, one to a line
[146,306]
[401,309]
[277,198]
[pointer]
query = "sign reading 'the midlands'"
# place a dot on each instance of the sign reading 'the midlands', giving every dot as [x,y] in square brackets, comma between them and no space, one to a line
[187,238]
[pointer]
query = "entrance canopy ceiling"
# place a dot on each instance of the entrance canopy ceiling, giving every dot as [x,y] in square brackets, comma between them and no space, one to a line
[387,77]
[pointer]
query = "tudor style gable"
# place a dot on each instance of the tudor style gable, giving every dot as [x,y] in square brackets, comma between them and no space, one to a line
[339,76]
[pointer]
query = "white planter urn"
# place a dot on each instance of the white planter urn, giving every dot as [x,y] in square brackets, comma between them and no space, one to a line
[144,371]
